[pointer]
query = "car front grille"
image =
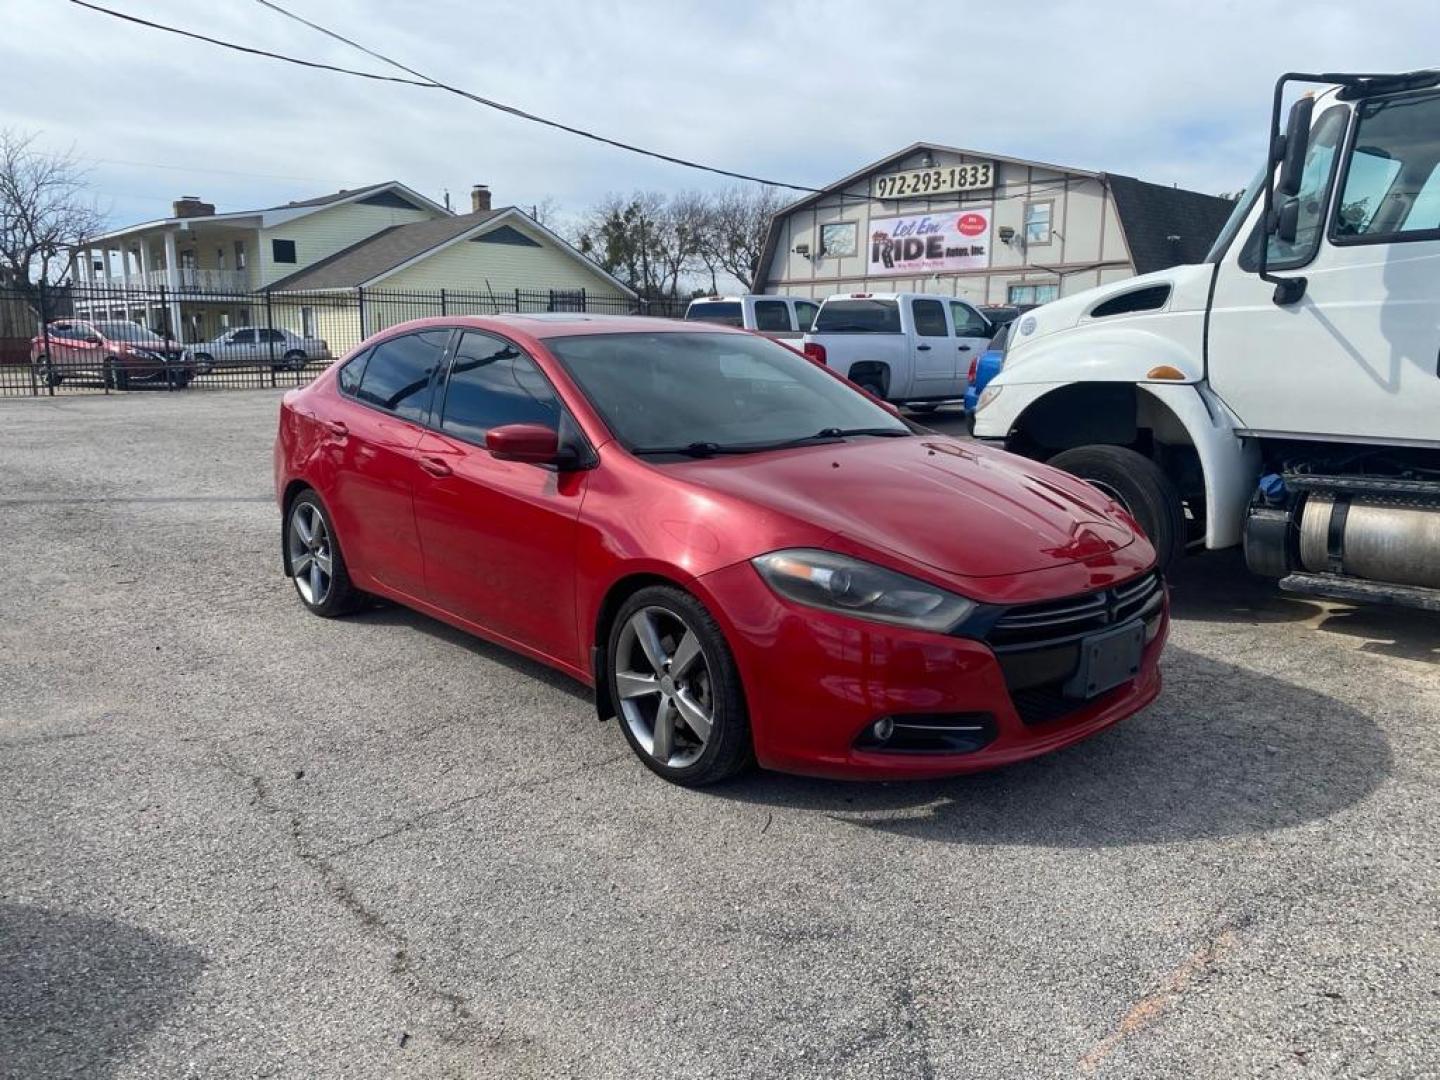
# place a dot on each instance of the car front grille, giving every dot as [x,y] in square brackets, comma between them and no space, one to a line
[1038,645]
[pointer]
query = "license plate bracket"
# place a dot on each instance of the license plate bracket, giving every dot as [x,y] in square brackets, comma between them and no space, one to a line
[1106,660]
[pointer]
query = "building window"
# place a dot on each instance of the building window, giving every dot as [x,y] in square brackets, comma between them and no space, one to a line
[1032,294]
[239,254]
[220,258]
[839,240]
[242,317]
[307,322]
[282,251]
[1038,217]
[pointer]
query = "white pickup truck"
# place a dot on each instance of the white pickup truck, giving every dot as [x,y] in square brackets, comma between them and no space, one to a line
[783,317]
[904,347]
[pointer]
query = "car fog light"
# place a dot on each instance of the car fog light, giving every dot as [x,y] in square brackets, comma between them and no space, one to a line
[884,728]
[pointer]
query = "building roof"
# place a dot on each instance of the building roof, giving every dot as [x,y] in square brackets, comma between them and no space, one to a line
[1150,214]
[393,189]
[388,250]
[1166,226]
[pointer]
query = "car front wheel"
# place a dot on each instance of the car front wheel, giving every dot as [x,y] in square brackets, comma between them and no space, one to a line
[676,688]
[204,363]
[315,563]
[294,361]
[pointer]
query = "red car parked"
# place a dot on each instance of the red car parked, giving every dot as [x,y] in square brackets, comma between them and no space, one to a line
[113,351]
[744,554]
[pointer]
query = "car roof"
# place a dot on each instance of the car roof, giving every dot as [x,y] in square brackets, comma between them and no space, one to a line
[567,324]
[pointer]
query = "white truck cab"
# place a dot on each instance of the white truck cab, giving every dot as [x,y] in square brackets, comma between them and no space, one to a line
[904,347]
[1285,393]
[783,317]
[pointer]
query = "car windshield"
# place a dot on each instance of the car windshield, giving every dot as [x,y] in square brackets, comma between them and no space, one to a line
[127,331]
[858,317]
[726,314]
[713,392]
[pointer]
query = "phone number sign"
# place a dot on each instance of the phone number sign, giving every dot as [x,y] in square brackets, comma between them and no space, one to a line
[938,180]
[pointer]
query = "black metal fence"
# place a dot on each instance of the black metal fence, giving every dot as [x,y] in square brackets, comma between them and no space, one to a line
[67,339]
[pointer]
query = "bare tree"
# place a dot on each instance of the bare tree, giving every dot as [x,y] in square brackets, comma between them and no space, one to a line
[646,239]
[45,209]
[741,220]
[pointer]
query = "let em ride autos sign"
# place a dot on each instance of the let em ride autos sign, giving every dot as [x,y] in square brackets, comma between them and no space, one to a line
[930,243]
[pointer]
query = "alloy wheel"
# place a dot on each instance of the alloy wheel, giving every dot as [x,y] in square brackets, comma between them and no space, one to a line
[663,685]
[311,558]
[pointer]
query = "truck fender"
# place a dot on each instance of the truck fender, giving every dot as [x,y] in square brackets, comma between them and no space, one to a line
[1118,353]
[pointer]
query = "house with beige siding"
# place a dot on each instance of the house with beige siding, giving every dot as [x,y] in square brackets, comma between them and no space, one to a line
[198,273]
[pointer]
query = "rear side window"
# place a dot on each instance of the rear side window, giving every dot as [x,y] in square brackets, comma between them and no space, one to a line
[1392,180]
[858,317]
[969,322]
[930,318]
[726,314]
[805,313]
[772,315]
[493,383]
[244,337]
[351,372]
[397,375]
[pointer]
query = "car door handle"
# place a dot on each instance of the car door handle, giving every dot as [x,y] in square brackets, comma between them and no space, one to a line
[337,427]
[922,348]
[434,466]
[964,348]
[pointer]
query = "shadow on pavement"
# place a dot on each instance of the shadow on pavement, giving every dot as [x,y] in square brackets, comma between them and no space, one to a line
[77,993]
[1224,752]
[1216,587]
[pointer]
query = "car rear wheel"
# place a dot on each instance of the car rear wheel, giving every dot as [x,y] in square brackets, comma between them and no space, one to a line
[46,373]
[116,377]
[294,360]
[1139,485]
[316,565]
[204,363]
[677,689]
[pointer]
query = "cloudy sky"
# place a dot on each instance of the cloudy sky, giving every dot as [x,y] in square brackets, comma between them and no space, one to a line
[1174,92]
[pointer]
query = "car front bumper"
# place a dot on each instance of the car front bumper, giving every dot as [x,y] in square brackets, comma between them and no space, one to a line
[815,683]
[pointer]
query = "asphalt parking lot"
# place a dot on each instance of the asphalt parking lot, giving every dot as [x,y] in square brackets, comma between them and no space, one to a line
[237,840]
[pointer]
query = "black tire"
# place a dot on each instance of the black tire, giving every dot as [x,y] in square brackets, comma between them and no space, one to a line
[728,750]
[45,371]
[871,385]
[116,378]
[294,361]
[204,363]
[1140,486]
[923,406]
[340,597]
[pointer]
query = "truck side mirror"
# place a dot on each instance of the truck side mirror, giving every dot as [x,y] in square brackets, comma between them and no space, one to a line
[1289,149]
[1285,221]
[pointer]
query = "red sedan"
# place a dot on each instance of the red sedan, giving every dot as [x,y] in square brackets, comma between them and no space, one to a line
[747,557]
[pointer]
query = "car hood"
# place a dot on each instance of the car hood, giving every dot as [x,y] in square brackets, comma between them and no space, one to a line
[954,506]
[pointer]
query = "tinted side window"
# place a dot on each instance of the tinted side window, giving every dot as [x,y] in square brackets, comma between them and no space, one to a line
[968,321]
[1320,157]
[493,383]
[351,372]
[772,315]
[930,318]
[805,313]
[397,375]
[244,337]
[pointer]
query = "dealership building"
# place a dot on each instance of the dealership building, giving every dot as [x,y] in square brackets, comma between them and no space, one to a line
[987,228]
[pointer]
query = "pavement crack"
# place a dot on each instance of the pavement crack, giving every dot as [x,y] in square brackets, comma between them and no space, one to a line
[423,820]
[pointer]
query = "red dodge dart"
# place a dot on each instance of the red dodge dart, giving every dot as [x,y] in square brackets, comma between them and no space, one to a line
[748,558]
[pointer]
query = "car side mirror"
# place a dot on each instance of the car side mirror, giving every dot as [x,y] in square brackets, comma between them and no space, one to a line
[533,444]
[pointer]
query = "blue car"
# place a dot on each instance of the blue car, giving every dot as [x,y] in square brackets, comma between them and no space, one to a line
[985,367]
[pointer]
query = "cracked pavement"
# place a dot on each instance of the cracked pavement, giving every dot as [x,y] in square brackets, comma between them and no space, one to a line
[240,841]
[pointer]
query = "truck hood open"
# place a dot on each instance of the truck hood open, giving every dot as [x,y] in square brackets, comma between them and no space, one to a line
[951,505]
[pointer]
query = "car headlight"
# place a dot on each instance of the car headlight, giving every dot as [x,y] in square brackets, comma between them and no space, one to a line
[989,394]
[831,582]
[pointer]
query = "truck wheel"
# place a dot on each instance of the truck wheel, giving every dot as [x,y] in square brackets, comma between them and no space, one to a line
[1139,485]
[871,385]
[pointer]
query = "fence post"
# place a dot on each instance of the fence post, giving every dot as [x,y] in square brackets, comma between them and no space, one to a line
[360,309]
[270,334]
[443,311]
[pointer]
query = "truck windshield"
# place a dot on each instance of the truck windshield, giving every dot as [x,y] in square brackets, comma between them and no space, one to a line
[710,392]
[858,317]
[726,313]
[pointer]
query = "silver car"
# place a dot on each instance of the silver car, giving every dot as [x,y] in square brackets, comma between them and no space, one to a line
[251,346]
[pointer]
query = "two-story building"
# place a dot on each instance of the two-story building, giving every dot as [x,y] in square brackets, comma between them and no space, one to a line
[199,272]
[985,227]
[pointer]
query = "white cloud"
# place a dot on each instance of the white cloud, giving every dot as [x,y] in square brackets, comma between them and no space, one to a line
[1168,91]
